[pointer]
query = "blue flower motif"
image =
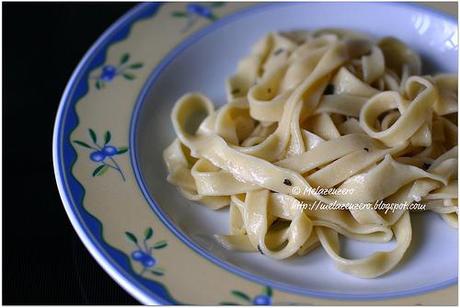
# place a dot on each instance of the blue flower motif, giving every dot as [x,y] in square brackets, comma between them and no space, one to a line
[200,10]
[109,150]
[108,73]
[144,252]
[137,255]
[103,154]
[148,261]
[194,11]
[262,299]
[97,156]
[265,298]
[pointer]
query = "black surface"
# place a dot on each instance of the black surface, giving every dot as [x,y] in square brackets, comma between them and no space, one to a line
[44,261]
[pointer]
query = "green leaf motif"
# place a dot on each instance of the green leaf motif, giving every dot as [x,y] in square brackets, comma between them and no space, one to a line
[136,65]
[129,76]
[103,170]
[148,233]
[241,295]
[268,291]
[92,134]
[83,144]
[99,84]
[131,237]
[122,150]
[100,170]
[157,272]
[213,17]
[160,245]
[229,304]
[124,58]
[107,137]
[179,14]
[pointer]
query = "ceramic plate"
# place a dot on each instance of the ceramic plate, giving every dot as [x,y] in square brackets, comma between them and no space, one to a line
[153,242]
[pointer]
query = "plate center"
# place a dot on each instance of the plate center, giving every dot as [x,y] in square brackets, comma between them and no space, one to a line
[203,62]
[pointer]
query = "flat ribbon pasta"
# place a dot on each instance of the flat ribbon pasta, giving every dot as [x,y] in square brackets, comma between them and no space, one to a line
[310,114]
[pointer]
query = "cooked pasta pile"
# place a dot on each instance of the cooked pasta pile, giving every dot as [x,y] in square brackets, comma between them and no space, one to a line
[323,109]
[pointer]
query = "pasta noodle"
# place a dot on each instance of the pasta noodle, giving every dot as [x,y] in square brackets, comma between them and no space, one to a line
[325,109]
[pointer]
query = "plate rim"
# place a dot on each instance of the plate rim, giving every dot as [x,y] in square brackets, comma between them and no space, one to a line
[131,285]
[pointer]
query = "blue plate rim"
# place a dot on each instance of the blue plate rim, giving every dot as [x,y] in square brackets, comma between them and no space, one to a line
[125,278]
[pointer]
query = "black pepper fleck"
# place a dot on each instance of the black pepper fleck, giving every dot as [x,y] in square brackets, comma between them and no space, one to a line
[284,244]
[287,182]
[426,166]
[235,91]
[260,250]
[278,51]
[269,90]
[329,89]
[366,149]
[368,53]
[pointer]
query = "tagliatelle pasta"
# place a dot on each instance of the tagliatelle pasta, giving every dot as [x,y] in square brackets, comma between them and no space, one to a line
[325,109]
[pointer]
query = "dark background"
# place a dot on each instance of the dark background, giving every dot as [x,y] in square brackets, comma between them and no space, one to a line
[44,262]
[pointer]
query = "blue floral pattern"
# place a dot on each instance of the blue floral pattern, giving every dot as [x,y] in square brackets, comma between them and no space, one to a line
[110,72]
[144,252]
[194,11]
[262,299]
[103,155]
